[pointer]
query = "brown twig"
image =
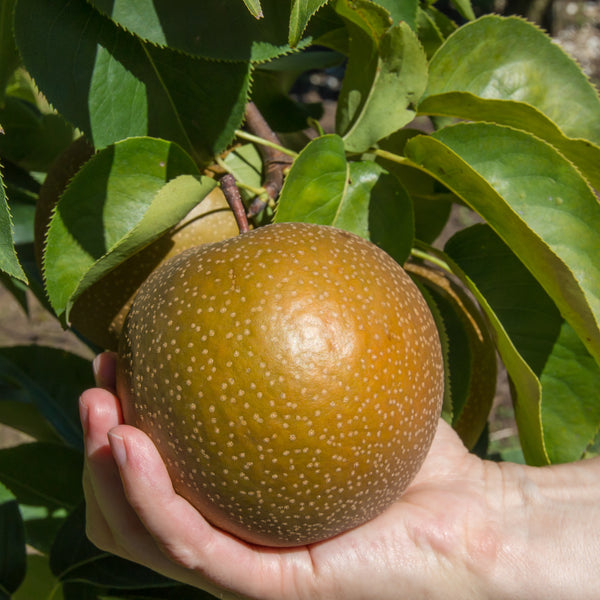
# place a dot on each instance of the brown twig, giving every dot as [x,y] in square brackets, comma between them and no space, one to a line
[274,161]
[232,194]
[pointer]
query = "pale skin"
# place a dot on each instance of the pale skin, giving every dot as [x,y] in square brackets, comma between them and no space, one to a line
[465,528]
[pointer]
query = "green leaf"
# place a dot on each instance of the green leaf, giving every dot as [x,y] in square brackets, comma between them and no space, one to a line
[430,29]
[316,183]
[104,205]
[378,195]
[9,262]
[403,10]
[525,384]
[201,28]
[9,55]
[37,390]
[41,474]
[569,412]
[464,8]
[508,59]
[386,73]
[431,202]
[112,85]
[300,15]
[255,8]
[361,197]
[534,199]
[12,543]
[582,153]
[32,140]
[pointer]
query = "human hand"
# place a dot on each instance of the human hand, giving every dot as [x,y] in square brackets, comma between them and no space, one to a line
[465,528]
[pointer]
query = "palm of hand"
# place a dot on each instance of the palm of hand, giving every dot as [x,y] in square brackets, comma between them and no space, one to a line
[421,546]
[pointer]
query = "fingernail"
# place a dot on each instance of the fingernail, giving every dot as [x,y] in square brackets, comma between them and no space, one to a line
[84,413]
[117,446]
[96,368]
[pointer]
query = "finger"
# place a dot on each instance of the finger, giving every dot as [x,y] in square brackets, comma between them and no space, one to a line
[104,367]
[112,524]
[180,531]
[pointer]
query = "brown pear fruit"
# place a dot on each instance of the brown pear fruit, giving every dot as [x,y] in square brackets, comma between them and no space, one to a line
[99,312]
[291,378]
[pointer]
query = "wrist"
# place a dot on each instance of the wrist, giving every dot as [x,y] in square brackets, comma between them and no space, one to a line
[549,532]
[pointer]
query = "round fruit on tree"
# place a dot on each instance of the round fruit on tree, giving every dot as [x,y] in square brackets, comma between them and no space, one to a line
[291,378]
[99,312]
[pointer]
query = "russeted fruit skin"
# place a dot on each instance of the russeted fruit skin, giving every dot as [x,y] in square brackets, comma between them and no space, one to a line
[99,312]
[290,377]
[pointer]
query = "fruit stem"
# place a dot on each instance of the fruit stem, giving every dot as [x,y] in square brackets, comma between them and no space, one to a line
[232,194]
[257,191]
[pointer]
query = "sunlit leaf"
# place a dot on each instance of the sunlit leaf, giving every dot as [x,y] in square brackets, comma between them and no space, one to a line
[113,85]
[315,184]
[199,28]
[255,8]
[302,11]
[386,73]
[508,59]
[535,200]
[114,193]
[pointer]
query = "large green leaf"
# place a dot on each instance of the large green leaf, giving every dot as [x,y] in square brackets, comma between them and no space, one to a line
[113,207]
[213,29]
[12,544]
[38,386]
[535,200]
[113,85]
[509,59]
[9,263]
[41,474]
[386,74]
[582,153]
[569,412]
